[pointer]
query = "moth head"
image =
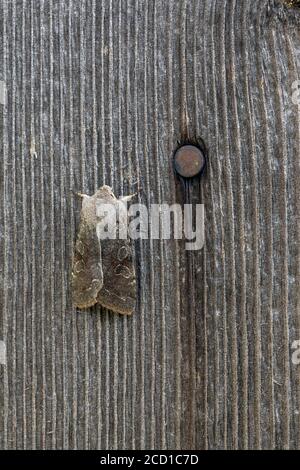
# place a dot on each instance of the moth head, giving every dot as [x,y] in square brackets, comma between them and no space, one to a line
[106,191]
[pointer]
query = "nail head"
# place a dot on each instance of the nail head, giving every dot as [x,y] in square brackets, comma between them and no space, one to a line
[189,161]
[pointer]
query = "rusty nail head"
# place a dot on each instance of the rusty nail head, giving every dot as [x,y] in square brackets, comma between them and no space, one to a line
[189,161]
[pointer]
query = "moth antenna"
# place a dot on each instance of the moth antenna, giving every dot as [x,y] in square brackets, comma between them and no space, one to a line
[78,194]
[128,198]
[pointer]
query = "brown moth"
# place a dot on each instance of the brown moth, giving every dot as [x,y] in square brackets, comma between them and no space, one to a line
[103,269]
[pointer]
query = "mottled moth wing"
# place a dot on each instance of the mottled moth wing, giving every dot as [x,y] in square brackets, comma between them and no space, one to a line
[119,286]
[87,275]
[118,292]
[103,269]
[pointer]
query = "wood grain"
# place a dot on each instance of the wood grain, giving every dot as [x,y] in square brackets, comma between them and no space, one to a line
[99,92]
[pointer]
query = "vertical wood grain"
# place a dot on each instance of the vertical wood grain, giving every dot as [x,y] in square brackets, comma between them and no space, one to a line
[100,92]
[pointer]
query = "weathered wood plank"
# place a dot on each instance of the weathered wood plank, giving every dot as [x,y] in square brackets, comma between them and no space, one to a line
[99,92]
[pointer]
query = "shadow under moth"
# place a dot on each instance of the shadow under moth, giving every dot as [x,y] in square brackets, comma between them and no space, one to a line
[103,269]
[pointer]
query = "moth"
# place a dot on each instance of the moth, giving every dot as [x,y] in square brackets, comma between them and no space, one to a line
[103,269]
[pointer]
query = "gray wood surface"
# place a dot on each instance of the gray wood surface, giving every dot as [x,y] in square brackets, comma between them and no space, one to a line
[100,92]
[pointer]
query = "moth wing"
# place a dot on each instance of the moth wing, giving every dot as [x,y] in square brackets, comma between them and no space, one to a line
[103,271]
[87,274]
[118,292]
